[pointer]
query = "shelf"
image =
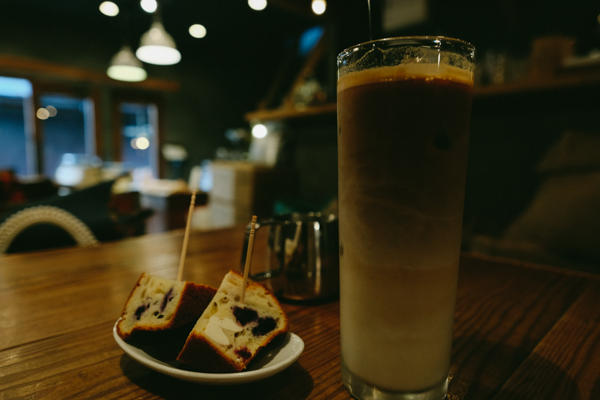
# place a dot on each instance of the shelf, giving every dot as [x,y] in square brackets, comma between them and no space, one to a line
[291,112]
[563,81]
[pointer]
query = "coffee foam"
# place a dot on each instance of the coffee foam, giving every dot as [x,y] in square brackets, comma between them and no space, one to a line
[405,72]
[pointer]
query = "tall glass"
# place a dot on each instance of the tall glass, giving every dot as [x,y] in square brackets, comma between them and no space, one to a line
[404,109]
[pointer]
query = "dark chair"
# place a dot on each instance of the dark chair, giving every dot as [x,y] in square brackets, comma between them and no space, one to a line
[80,218]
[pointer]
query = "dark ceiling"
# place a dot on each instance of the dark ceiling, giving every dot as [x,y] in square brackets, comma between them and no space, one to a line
[255,43]
[239,40]
[235,31]
[231,24]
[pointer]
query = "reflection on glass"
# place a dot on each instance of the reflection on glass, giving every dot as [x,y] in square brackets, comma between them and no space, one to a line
[138,136]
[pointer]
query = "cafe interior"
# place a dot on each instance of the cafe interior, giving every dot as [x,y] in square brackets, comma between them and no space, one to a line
[245,114]
[128,126]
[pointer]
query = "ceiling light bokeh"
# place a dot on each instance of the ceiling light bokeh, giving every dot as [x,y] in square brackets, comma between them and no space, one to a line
[198,31]
[149,5]
[109,8]
[257,5]
[318,6]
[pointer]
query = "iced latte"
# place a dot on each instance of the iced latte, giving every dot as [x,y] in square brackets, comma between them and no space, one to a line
[403,127]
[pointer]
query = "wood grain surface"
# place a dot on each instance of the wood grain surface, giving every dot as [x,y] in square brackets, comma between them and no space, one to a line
[522,331]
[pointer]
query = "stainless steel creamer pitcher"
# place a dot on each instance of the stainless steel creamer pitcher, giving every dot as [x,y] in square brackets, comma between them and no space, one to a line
[301,259]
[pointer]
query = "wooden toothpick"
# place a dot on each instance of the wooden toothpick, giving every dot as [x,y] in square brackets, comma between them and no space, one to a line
[248,257]
[186,237]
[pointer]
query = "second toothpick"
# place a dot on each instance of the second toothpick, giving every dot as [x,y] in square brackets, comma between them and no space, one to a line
[248,257]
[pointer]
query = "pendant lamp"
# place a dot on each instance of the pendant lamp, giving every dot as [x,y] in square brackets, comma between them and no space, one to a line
[157,46]
[124,66]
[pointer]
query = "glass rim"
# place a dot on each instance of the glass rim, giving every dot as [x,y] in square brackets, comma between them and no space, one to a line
[439,41]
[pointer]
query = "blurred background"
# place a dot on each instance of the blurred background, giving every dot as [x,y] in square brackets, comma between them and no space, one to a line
[245,112]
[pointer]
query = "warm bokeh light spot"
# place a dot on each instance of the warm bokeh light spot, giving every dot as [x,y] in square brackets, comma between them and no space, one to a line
[52,111]
[259,131]
[142,143]
[109,8]
[149,5]
[198,31]
[42,113]
[257,5]
[318,6]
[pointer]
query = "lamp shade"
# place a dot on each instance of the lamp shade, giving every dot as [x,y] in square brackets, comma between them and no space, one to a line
[125,67]
[158,47]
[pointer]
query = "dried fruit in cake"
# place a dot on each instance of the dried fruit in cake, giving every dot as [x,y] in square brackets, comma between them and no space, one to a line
[158,304]
[229,333]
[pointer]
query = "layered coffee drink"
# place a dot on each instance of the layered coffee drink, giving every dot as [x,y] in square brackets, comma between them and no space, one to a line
[402,153]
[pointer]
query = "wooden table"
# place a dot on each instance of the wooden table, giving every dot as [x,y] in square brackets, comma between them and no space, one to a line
[522,331]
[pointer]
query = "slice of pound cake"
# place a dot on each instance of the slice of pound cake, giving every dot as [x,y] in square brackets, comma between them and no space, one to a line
[230,333]
[158,304]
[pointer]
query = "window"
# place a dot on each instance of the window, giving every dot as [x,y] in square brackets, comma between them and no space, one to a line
[67,127]
[16,150]
[40,123]
[55,113]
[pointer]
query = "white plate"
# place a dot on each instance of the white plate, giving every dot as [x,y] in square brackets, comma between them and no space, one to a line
[272,359]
